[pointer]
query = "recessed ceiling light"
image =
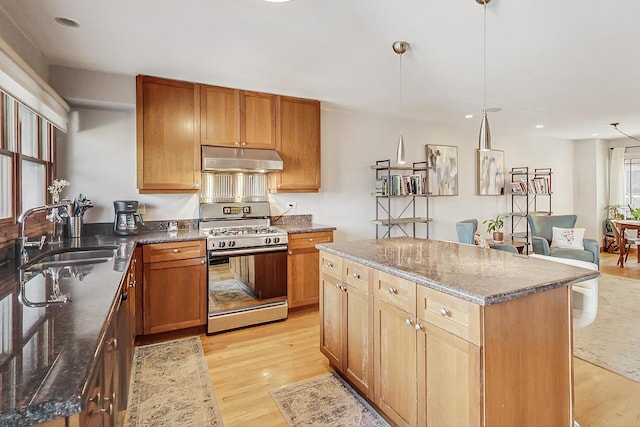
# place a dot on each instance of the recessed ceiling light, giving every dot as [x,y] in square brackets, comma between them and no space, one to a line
[539,126]
[468,116]
[67,22]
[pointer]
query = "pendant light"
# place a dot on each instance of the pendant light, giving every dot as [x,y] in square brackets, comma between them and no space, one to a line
[400,47]
[484,142]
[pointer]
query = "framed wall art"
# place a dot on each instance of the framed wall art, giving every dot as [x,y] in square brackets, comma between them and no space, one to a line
[442,163]
[490,172]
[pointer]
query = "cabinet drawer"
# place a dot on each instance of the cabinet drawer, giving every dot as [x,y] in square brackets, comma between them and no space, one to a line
[357,275]
[454,315]
[331,265]
[158,252]
[309,240]
[396,291]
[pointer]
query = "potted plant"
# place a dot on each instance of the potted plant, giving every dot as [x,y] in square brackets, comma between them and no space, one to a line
[615,211]
[495,226]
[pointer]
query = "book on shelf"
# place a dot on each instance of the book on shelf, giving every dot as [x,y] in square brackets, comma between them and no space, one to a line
[399,185]
[537,185]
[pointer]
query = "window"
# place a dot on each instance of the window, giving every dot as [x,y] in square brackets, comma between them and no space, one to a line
[27,143]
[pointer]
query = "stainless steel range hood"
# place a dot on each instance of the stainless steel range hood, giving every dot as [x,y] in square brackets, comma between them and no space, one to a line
[240,159]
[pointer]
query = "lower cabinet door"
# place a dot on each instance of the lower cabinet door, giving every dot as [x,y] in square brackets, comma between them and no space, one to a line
[359,340]
[303,266]
[449,385]
[395,363]
[332,331]
[175,295]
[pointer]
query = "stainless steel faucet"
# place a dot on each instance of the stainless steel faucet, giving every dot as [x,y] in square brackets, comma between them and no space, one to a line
[23,242]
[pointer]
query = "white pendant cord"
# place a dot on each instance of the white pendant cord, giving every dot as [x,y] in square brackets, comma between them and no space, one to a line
[401,100]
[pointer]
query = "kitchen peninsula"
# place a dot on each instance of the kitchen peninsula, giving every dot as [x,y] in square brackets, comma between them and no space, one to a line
[440,333]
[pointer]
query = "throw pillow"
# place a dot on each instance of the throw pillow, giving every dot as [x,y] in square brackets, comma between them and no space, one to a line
[567,238]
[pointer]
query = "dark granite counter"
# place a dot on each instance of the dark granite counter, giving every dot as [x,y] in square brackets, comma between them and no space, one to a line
[48,353]
[303,228]
[481,276]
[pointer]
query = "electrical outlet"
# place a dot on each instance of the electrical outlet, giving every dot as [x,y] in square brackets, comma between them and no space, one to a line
[292,205]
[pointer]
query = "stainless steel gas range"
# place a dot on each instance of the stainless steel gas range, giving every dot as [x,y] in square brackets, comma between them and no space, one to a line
[247,260]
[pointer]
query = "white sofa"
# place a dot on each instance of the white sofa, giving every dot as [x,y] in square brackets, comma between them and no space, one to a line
[584,294]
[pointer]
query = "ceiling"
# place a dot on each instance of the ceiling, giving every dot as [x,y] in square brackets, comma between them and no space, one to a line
[572,66]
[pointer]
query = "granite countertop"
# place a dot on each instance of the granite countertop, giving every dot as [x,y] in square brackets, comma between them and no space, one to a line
[481,276]
[48,353]
[303,228]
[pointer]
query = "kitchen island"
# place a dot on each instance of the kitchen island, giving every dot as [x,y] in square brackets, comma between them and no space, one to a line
[440,333]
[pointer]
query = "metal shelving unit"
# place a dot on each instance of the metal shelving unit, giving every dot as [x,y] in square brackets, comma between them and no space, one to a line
[390,198]
[528,200]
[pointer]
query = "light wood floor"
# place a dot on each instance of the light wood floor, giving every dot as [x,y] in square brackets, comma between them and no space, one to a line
[246,364]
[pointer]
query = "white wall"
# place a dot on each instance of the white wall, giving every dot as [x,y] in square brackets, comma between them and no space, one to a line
[98,157]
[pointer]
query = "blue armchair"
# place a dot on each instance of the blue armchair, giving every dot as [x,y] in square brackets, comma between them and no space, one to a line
[542,232]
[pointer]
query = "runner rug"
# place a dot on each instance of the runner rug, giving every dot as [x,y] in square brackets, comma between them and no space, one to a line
[326,400]
[613,339]
[171,386]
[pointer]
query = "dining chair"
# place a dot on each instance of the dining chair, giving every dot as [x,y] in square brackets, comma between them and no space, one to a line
[629,240]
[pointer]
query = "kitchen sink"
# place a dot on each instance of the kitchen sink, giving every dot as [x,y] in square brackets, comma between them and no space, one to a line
[73,256]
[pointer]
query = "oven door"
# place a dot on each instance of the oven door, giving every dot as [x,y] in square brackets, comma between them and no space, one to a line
[246,288]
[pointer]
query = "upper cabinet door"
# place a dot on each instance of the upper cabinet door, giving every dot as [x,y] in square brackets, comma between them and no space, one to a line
[219,116]
[237,118]
[298,143]
[258,120]
[168,136]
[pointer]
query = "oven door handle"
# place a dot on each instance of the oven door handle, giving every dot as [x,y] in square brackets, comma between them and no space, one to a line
[248,251]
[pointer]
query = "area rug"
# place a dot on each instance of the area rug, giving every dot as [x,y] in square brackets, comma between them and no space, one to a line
[228,291]
[326,400]
[612,341]
[171,386]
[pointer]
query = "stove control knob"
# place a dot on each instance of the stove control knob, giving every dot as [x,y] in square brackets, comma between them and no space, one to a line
[221,244]
[232,243]
[276,240]
[267,240]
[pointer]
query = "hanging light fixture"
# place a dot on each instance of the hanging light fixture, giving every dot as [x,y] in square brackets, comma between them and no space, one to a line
[400,47]
[485,133]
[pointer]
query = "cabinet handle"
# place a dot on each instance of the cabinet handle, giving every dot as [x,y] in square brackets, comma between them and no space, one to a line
[338,286]
[419,327]
[113,343]
[176,250]
[393,291]
[409,322]
[444,312]
[356,275]
[329,264]
[96,399]
[132,284]
[344,288]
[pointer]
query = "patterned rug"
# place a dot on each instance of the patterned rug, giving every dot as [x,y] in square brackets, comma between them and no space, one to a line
[229,291]
[170,386]
[612,341]
[326,400]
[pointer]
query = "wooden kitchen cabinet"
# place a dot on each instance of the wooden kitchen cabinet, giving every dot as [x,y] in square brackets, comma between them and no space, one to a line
[168,135]
[394,348]
[302,267]
[174,286]
[346,336]
[298,143]
[440,360]
[237,118]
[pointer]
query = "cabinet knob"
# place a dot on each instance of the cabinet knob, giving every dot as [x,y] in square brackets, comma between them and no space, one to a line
[356,275]
[409,322]
[311,239]
[113,343]
[176,250]
[202,261]
[132,284]
[330,264]
[290,253]
[338,286]
[444,312]
[96,399]
[393,291]
[419,327]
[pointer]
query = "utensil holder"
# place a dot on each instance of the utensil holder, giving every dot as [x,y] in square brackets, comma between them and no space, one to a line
[75,226]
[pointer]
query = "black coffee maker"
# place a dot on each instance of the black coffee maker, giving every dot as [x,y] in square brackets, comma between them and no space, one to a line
[127,217]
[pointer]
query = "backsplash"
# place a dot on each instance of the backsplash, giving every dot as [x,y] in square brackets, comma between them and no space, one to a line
[101,228]
[290,219]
